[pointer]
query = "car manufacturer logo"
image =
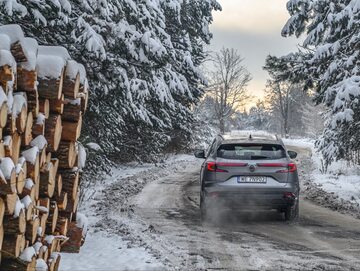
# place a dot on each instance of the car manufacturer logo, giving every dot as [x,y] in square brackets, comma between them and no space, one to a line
[252,168]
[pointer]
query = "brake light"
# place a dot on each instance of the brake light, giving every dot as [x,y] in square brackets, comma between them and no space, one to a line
[291,167]
[213,167]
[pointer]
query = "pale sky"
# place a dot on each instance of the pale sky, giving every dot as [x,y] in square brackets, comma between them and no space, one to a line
[253,27]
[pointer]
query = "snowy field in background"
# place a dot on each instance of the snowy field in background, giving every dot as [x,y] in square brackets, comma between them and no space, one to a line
[341,178]
[104,252]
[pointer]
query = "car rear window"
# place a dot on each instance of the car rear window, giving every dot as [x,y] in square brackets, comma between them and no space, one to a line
[251,151]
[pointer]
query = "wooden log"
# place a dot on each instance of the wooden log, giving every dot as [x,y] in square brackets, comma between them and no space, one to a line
[70,182]
[33,102]
[53,218]
[39,126]
[43,253]
[16,264]
[54,262]
[10,128]
[26,80]
[66,154]
[16,146]
[43,220]
[58,185]
[18,52]
[15,225]
[53,132]
[75,239]
[2,148]
[50,88]
[37,187]
[72,79]
[62,200]
[6,73]
[32,163]
[27,136]
[1,238]
[10,203]
[57,105]
[55,163]
[29,189]
[21,171]
[62,226]
[12,246]
[32,229]
[71,130]
[19,111]
[3,111]
[8,177]
[47,181]
[44,107]
[8,146]
[2,213]
[72,110]
[43,157]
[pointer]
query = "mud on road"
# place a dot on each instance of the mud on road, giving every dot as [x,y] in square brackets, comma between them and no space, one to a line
[161,213]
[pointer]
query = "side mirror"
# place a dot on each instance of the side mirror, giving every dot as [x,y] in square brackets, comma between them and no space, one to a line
[200,154]
[292,154]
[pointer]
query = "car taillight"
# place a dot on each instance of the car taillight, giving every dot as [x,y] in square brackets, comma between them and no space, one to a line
[213,167]
[291,167]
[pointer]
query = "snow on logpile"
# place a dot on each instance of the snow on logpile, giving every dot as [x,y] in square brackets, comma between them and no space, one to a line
[82,222]
[41,265]
[28,254]
[29,183]
[93,146]
[37,247]
[40,231]
[50,66]
[58,51]
[10,101]
[5,42]
[73,102]
[31,154]
[39,141]
[49,239]
[7,166]
[19,103]
[81,156]
[18,207]
[7,140]
[82,72]
[19,168]
[13,31]
[40,119]
[21,160]
[3,97]
[26,201]
[6,58]
[42,209]
[31,50]
[72,69]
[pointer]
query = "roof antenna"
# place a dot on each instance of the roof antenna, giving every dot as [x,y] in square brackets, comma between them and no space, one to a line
[250,137]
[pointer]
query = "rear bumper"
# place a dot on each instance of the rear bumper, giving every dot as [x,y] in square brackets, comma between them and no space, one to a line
[273,198]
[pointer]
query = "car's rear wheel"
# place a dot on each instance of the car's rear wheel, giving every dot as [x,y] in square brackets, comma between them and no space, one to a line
[292,212]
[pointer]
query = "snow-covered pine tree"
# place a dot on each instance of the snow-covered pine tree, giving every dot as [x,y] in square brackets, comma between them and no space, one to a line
[142,59]
[328,62]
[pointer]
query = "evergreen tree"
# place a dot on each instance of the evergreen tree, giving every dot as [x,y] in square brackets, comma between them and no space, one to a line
[328,63]
[142,59]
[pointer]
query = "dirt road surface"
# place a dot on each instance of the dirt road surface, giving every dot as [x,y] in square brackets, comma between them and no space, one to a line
[164,218]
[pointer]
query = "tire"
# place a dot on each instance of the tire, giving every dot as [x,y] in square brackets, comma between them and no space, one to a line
[292,212]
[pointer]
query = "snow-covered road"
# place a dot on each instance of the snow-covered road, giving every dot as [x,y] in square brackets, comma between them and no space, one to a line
[163,218]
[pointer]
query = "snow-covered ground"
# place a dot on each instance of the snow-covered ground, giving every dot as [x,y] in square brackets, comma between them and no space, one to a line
[107,251]
[341,180]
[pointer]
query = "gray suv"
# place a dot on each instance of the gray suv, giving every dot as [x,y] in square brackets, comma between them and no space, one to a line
[252,172]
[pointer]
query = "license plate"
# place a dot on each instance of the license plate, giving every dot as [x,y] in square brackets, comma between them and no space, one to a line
[251,179]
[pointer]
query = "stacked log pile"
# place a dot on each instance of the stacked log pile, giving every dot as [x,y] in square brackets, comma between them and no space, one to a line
[43,96]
